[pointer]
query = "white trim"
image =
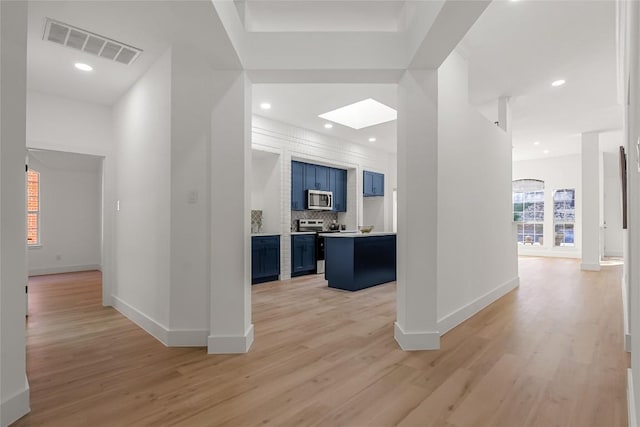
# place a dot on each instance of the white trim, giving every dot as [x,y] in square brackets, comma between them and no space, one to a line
[614,253]
[625,312]
[555,252]
[230,344]
[64,269]
[590,267]
[154,328]
[631,406]
[451,320]
[412,341]
[16,406]
[187,337]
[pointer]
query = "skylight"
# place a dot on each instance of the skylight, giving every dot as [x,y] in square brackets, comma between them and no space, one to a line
[361,114]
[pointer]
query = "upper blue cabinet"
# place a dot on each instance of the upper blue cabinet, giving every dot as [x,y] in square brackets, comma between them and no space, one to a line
[297,187]
[316,177]
[307,176]
[338,183]
[373,184]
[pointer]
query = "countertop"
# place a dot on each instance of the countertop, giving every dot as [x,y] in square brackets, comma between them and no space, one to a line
[358,234]
[303,232]
[265,234]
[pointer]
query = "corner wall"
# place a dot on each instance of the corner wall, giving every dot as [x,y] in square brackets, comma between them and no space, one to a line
[14,387]
[477,261]
[142,137]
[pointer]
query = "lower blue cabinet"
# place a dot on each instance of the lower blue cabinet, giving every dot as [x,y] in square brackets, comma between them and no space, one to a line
[303,254]
[265,258]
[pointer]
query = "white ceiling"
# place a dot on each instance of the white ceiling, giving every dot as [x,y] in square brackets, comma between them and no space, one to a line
[152,26]
[518,48]
[515,49]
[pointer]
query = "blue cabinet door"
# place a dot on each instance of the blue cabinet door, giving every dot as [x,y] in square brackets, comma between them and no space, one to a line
[271,257]
[316,177]
[373,184]
[378,184]
[322,178]
[297,186]
[265,258]
[338,184]
[303,253]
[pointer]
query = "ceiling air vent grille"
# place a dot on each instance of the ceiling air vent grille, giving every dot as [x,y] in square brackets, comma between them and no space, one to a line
[86,41]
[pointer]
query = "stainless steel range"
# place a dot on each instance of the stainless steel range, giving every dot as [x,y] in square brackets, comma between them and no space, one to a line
[317,226]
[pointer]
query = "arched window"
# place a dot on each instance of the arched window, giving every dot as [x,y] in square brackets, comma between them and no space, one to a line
[528,210]
[33,208]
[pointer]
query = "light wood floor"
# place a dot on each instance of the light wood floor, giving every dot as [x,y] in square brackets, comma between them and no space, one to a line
[547,354]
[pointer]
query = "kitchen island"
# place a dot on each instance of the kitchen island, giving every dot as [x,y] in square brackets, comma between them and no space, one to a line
[355,261]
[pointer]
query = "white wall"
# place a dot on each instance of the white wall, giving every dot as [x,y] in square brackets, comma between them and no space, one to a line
[142,136]
[70,213]
[373,211]
[14,387]
[476,252]
[295,143]
[265,189]
[62,124]
[613,238]
[557,173]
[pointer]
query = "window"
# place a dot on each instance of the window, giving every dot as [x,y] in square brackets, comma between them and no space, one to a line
[33,208]
[528,211]
[564,216]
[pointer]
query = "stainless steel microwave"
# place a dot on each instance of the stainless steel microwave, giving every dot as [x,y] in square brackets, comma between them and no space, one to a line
[319,200]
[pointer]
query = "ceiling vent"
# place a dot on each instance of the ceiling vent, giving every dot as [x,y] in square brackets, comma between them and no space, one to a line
[83,40]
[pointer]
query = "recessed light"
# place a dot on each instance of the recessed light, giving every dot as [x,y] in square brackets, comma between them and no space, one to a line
[546,151]
[328,125]
[558,83]
[361,114]
[536,143]
[83,67]
[372,139]
[265,106]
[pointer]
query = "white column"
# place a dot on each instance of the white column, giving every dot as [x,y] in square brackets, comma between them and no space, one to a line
[504,114]
[590,202]
[14,388]
[231,330]
[416,325]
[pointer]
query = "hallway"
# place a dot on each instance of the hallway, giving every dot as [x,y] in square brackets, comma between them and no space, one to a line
[548,353]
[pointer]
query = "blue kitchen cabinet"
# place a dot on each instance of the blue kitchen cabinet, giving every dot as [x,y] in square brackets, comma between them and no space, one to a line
[338,184]
[316,177]
[373,184]
[297,187]
[265,258]
[303,254]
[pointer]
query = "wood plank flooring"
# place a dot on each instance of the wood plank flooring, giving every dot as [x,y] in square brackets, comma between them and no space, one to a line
[548,354]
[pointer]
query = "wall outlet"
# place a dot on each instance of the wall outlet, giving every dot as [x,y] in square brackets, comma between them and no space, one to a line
[192,197]
[58,257]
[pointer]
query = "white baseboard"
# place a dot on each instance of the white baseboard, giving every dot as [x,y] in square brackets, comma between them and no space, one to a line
[451,320]
[631,401]
[229,344]
[187,337]
[590,267]
[63,269]
[614,253]
[549,253]
[625,312]
[168,337]
[16,406]
[155,329]
[412,341]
